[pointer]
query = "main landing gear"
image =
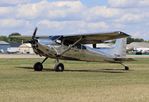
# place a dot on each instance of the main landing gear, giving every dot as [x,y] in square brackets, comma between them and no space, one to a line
[126,67]
[38,66]
[59,67]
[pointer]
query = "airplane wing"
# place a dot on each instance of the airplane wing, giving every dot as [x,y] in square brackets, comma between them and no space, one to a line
[93,38]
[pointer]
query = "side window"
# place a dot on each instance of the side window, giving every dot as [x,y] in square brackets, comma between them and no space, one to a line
[83,47]
[80,46]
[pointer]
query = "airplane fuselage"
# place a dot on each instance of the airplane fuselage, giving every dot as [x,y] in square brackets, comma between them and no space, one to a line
[80,53]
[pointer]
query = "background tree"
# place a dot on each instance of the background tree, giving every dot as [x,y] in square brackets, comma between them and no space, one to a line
[17,38]
[14,34]
[130,40]
[4,38]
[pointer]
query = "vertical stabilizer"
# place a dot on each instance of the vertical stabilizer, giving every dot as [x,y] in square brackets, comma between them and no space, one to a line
[119,50]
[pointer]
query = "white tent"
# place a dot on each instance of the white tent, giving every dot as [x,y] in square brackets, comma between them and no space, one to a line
[26,48]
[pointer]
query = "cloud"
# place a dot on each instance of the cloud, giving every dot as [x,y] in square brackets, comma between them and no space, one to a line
[6,12]
[12,23]
[73,16]
[144,3]
[72,26]
[130,18]
[128,3]
[51,10]
[101,12]
[13,2]
[140,34]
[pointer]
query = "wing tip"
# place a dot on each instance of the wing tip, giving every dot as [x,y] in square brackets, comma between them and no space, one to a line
[122,33]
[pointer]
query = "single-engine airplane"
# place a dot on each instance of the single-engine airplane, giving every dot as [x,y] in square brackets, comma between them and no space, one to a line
[73,47]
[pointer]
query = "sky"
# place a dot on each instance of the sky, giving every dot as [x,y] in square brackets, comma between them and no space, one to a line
[58,17]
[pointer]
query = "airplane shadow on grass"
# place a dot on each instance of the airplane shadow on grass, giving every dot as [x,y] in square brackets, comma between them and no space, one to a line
[73,70]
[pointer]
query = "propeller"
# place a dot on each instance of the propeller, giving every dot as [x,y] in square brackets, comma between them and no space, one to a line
[33,40]
[34,34]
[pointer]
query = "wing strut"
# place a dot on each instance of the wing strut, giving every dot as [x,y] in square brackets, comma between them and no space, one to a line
[70,46]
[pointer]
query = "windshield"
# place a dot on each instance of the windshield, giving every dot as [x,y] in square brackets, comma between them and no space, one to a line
[54,37]
[46,41]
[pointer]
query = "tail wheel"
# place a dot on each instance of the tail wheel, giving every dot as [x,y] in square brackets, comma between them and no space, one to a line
[38,66]
[126,68]
[59,67]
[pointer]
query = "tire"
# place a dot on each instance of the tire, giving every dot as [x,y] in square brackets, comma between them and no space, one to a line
[38,66]
[126,68]
[59,67]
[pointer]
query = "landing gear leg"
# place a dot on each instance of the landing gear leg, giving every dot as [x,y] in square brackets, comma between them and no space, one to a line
[59,67]
[126,67]
[39,65]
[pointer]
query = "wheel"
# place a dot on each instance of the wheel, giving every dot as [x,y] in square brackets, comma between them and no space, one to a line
[126,68]
[38,66]
[59,67]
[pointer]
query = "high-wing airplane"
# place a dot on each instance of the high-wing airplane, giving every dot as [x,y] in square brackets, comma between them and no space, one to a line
[73,47]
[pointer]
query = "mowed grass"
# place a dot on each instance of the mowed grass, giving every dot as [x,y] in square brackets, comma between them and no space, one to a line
[80,82]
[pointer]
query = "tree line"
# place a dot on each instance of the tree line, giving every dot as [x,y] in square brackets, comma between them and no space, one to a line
[130,40]
[14,38]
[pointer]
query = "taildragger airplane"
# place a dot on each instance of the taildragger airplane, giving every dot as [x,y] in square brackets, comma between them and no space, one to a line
[73,47]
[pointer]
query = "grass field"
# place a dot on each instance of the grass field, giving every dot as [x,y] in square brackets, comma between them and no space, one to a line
[81,82]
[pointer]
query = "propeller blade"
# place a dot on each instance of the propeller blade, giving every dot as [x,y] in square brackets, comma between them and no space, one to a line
[34,34]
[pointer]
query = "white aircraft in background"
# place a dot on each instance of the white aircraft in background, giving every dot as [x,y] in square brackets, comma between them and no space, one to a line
[73,47]
[141,50]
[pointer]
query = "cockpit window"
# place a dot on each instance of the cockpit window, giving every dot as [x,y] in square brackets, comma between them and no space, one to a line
[54,37]
[47,41]
[79,46]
